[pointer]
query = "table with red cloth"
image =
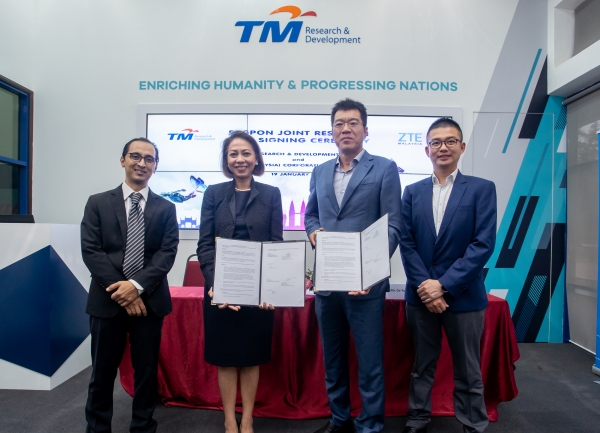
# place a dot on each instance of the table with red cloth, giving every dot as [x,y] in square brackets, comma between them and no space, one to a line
[292,384]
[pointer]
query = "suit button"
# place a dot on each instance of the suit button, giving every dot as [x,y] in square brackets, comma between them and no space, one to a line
[434,265]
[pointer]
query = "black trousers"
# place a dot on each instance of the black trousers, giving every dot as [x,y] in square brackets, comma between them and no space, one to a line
[108,344]
[463,331]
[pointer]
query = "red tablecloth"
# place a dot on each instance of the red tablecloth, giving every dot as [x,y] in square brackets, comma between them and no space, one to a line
[292,385]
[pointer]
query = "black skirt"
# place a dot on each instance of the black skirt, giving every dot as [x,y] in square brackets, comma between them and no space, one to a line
[237,338]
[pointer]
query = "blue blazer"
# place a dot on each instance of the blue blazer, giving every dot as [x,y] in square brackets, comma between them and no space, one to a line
[456,256]
[373,191]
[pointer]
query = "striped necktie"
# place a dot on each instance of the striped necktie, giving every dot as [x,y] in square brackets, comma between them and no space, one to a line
[134,250]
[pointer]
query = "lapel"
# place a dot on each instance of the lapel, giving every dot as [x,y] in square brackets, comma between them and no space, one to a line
[253,193]
[150,209]
[230,197]
[426,194]
[458,189]
[329,173]
[360,171]
[118,204]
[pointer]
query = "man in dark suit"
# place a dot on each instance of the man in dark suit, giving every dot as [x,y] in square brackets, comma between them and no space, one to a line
[350,193]
[448,233]
[129,239]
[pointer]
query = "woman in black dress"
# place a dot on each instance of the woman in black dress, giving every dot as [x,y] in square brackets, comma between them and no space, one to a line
[237,337]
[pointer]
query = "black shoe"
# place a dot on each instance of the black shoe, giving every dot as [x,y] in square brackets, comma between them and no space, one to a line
[330,427]
[414,430]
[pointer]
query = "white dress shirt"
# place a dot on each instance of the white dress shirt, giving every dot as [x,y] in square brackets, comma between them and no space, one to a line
[126,196]
[441,194]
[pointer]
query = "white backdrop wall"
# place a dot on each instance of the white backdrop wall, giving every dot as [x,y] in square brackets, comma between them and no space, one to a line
[85,61]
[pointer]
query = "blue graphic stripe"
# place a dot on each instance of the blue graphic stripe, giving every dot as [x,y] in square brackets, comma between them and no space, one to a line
[523,211]
[514,123]
[536,288]
[533,297]
[524,320]
[529,193]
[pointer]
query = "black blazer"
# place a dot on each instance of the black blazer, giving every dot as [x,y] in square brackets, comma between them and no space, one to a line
[103,240]
[264,219]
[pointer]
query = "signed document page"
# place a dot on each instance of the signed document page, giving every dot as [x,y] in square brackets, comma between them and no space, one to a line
[375,253]
[337,262]
[237,272]
[282,280]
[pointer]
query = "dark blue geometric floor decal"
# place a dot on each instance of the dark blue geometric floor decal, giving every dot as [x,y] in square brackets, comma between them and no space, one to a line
[42,312]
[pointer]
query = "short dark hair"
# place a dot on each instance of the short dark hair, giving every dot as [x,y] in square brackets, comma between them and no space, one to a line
[145,140]
[260,167]
[349,104]
[444,122]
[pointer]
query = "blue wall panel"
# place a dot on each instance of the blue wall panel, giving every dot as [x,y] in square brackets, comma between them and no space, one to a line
[529,258]
[42,312]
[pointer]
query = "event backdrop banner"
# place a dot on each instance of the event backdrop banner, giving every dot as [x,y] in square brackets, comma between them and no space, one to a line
[291,145]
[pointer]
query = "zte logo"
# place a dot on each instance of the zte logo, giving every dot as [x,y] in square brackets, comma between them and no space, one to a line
[292,28]
[182,135]
[410,137]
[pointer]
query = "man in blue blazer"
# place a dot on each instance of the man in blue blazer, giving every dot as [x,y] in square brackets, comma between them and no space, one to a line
[347,194]
[448,233]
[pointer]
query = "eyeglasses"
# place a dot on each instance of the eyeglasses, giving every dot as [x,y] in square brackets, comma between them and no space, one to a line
[451,142]
[339,124]
[136,157]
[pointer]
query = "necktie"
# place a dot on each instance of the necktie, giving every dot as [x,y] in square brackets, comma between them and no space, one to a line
[134,249]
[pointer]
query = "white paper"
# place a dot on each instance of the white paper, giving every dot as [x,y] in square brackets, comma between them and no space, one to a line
[337,262]
[282,280]
[397,291]
[375,253]
[237,272]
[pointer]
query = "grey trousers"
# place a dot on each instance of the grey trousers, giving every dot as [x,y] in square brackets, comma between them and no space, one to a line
[464,331]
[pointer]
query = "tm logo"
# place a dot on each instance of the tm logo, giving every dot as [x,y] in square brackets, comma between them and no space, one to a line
[181,135]
[292,28]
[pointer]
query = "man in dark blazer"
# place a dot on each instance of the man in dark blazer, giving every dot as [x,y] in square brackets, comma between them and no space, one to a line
[348,194]
[129,239]
[448,234]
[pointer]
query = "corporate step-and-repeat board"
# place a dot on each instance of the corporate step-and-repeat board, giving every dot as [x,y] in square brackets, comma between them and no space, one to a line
[292,145]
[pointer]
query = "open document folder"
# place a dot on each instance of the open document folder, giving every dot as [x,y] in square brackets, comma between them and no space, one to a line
[250,273]
[349,262]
